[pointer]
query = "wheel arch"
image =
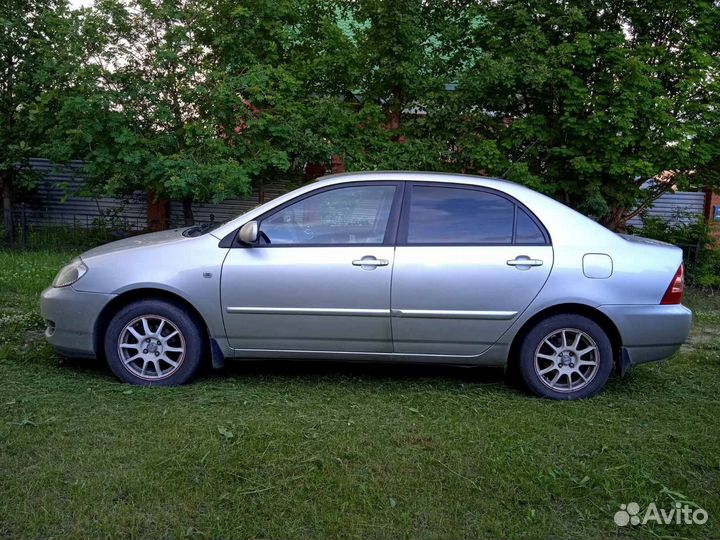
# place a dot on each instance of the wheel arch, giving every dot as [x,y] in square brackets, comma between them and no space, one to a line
[143,293]
[590,312]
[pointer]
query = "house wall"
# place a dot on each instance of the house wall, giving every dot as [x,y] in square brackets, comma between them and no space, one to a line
[711,211]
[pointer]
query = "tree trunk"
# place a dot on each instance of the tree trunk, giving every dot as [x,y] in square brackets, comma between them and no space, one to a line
[7,206]
[337,164]
[188,212]
[394,118]
[616,220]
[395,110]
[157,212]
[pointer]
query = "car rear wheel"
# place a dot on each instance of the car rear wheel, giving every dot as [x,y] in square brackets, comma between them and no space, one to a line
[154,343]
[566,357]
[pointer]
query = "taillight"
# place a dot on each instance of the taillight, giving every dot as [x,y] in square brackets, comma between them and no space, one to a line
[674,292]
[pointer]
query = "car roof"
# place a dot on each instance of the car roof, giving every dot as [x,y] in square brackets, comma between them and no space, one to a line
[415,176]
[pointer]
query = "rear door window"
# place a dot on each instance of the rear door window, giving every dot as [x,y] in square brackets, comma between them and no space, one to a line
[450,215]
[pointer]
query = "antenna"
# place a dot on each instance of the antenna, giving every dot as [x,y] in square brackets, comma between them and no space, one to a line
[512,164]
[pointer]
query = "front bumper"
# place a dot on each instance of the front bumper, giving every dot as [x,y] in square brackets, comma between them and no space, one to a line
[71,317]
[649,332]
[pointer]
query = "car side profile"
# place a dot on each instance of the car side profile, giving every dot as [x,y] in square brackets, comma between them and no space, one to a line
[396,266]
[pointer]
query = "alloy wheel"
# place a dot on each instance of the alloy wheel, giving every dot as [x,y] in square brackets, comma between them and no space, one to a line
[567,360]
[151,347]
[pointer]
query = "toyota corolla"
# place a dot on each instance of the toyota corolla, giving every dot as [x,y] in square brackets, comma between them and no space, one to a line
[412,267]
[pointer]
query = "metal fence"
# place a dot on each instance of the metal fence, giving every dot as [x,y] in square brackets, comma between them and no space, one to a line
[25,227]
[58,212]
[691,256]
[683,207]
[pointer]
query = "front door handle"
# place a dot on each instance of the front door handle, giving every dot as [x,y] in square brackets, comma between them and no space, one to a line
[369,262]
[524,260]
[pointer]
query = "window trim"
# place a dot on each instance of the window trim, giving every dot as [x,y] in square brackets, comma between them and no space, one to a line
[403,226]
[390,228]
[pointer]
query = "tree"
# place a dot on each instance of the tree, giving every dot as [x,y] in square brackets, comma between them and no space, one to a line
[372,81]
[39,47]
[405,58]
[592,99]
[168,111]
[194,99]
[145,123]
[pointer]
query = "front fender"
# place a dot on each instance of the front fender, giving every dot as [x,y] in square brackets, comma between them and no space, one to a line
[189,270]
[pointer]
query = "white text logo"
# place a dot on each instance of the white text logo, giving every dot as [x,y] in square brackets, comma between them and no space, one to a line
[678,514]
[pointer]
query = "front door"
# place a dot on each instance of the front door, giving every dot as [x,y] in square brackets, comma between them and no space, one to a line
[319,278]
[468,262]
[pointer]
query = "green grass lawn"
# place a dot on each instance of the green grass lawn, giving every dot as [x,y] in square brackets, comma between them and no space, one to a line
[297,450]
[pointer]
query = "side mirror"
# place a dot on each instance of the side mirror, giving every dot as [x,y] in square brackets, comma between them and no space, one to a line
[249,232]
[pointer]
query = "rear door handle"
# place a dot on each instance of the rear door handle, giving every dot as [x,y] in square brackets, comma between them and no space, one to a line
[370,261]
[524,260]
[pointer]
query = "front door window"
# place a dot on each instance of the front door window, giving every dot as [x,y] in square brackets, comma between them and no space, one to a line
[345,216]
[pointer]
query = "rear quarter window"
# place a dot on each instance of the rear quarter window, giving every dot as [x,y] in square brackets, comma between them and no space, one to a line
[526,230]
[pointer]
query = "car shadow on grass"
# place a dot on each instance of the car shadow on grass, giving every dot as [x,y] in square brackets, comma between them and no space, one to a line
[310,371]
[85,366]
[328,369]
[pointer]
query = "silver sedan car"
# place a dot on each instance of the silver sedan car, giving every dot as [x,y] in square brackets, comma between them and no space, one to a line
[412,267]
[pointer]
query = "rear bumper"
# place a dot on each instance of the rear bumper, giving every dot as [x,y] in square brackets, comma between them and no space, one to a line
[70,317]
[649,332]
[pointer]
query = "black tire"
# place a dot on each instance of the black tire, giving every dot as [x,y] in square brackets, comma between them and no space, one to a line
[190,338]
[552,328]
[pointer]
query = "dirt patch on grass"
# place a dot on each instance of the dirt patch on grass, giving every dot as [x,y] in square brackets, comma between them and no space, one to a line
[707,337]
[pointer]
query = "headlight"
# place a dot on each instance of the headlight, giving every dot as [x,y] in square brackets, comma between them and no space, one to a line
[70,274]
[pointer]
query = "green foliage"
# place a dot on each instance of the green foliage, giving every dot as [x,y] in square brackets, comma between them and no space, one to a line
[681,230]
[594,101]
[707,273]
[39,48]
[150,123]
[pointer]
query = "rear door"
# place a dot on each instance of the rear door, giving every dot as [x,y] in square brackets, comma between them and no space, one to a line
[468,262]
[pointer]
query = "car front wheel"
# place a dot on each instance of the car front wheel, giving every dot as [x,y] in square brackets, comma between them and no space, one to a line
[566,357]
[154,342]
